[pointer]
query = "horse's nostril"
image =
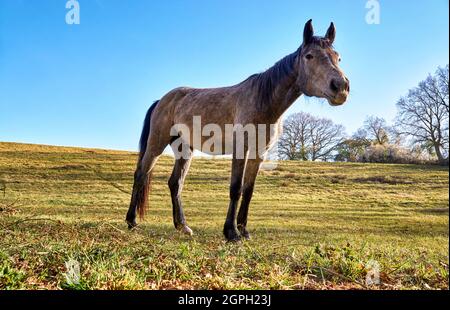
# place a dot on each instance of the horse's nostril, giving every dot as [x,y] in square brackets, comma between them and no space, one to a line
[340,85]
[334,86]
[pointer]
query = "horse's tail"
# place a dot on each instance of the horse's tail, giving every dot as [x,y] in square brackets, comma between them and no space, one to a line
[143,178]
[146,131]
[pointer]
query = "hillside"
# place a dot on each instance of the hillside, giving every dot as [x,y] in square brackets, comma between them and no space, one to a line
[313,225]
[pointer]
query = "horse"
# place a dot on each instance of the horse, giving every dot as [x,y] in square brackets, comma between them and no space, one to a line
[312,70]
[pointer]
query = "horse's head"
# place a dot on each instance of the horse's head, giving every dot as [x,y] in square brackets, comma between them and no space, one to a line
[318,63]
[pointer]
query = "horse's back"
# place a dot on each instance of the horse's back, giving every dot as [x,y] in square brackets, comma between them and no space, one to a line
[212,105]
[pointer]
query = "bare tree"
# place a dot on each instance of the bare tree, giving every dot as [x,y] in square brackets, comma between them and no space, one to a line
[306,137]
[377,130]
[442,87]
[325,138]
[352,149]
[423,115]
[295,141]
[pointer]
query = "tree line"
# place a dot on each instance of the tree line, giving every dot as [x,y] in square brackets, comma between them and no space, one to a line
[419,134]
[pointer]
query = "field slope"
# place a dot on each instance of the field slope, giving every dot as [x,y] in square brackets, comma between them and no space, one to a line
[313,225]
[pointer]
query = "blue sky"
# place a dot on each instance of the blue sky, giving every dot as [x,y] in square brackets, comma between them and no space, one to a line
[91,84]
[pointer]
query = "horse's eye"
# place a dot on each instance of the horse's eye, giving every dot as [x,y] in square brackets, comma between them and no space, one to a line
[340,59]
[309,56]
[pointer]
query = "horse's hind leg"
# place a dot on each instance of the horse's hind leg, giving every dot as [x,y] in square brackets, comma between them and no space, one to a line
[142,178]
[176,182]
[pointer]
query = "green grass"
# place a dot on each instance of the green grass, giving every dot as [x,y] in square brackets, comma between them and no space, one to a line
[313,225]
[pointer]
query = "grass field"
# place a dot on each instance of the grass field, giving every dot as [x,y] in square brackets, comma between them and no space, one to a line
[313,225]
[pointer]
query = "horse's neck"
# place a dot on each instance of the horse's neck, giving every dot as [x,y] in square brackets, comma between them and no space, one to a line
[284,96]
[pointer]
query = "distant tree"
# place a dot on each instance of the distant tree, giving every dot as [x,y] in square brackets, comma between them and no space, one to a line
[306,137]
[377,130]
[360,134]
[352,149]
[442,83]
[423,115]
[295,140]
[325,138]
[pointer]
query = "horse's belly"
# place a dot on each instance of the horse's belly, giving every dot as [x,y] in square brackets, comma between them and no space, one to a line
[218,142]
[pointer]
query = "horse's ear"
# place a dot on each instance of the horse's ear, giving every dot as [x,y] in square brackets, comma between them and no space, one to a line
[331,33]
[308,33]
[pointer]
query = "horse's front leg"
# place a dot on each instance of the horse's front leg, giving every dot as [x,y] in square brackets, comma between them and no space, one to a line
[251,172]
[176,182]
[237,172]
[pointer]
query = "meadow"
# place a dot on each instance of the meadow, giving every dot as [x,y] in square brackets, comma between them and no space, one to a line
[313,225]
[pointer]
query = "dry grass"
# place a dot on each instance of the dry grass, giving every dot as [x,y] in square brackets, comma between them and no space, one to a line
[314,225]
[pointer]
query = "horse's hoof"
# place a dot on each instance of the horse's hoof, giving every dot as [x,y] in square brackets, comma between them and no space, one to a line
[232,235]
[245,234]
[131,224]
[186,230]
[235,239]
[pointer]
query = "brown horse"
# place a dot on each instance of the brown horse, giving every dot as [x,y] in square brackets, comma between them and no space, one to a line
[312,70]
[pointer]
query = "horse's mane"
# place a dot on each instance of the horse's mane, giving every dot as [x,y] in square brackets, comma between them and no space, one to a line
[266,81]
